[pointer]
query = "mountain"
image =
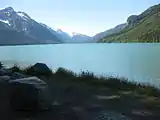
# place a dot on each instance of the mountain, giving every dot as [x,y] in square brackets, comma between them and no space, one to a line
[18,28]
[75,38]
[116,29]
[65,37]
[80,38]
[140,28]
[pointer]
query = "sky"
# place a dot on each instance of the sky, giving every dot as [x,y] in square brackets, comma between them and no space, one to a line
[87,17]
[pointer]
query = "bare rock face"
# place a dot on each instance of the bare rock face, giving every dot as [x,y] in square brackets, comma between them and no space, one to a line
[133,20]
[29,94]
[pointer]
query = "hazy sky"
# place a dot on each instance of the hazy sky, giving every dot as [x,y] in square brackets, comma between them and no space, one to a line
[82,16]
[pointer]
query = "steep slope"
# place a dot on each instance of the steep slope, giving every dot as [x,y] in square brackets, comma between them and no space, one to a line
[12,37]
[65,37]
[116,29]
[30,31]
[140,28]
[25,29]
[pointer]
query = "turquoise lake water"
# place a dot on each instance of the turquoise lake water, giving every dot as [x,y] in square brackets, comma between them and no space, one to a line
[139,62]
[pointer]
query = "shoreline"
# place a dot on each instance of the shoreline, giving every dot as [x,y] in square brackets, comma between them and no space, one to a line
[23,65]
[80,74]
[133,43]
[86,94]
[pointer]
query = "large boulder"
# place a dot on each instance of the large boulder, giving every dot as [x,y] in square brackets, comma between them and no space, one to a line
[29,94]
[17,75]
[5,78]
[39,69]
[4,72]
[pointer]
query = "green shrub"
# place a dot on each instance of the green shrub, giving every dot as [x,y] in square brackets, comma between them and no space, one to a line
[31,71]
[16,68]
[1,65]
[89,79]
[64,73]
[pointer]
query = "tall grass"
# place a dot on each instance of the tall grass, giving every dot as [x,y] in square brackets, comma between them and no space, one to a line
[16,68]
[113,83]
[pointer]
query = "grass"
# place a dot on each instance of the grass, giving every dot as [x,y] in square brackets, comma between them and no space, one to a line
[134,35]
[1,65]
[141,32]
[93,80]
[16,68]
[86,90]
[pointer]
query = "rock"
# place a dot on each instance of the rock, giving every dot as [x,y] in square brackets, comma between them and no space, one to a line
[111,115]
[95,107]
[4,100]
[17,75]
[5,78]
[4,72]
[39,69]
[29,94]
[133,20]
[55,103]
[81,113]
[68,114]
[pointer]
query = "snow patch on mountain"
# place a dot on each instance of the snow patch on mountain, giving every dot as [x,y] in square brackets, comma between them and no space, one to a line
[59,30]
[44,25]
[74,34]
[8,9]
[23,15]
[5,21]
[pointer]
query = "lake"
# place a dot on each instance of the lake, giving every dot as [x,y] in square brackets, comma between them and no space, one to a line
[139,62]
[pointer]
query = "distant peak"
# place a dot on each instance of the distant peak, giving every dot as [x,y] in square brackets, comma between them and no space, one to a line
[23,14]
[9,9]
[74,34]
[78,34]
[59,30]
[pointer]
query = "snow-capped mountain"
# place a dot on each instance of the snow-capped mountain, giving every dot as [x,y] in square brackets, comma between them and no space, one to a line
[77,37]
[17,27]
[23,25]
[74,38]
[5,21]
[31,31]
[64,36]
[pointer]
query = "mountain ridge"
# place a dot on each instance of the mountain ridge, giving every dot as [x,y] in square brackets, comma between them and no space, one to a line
[63,37]
[140,28]
[18,28]
[22,25]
